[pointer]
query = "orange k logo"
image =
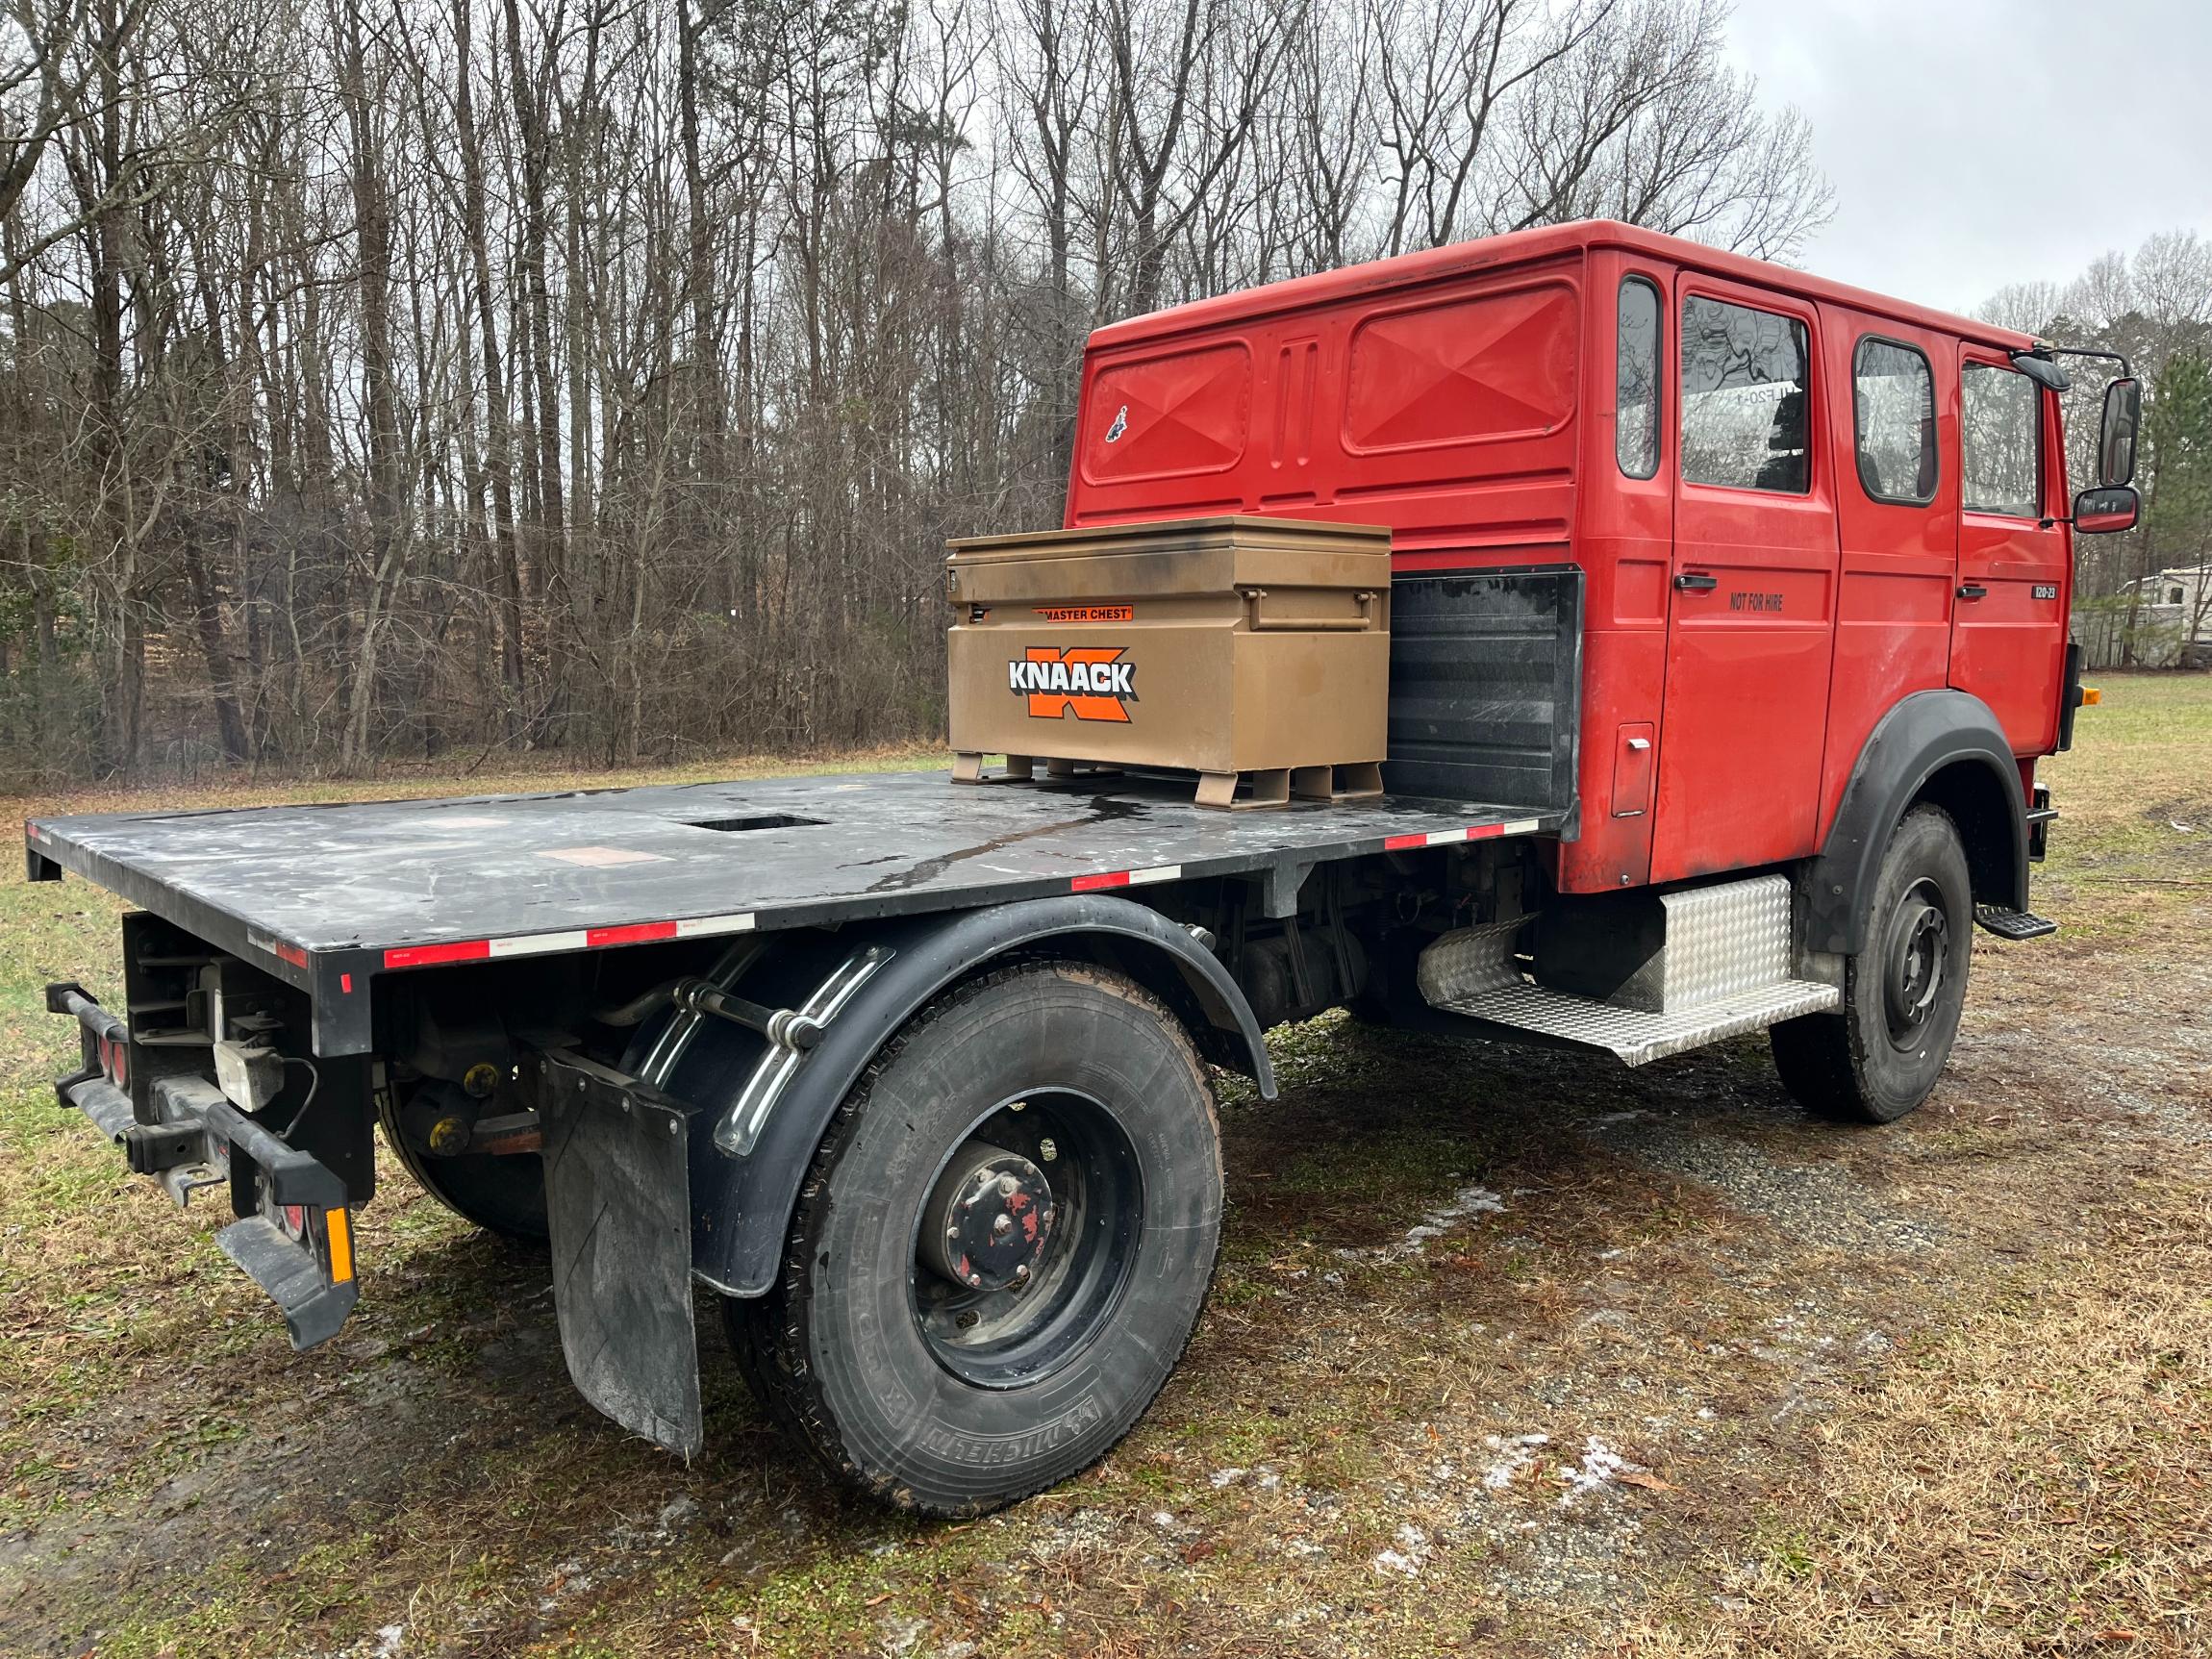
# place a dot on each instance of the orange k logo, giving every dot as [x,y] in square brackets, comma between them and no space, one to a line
[1091,682]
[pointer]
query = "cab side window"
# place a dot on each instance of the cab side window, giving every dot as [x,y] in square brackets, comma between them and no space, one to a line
[1635,380]
[1892,400]
[1746,413]
[2001,441]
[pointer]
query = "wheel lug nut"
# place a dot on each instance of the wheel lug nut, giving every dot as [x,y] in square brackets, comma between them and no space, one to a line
[1004,1223]
[1021,1273]
[1006,1185]
[975,1281]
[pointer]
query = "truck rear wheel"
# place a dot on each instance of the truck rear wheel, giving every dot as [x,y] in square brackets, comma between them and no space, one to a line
[1880,1054]
[1002,1246]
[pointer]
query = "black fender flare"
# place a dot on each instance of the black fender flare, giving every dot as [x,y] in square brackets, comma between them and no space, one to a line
[742,1207]
[1945,746]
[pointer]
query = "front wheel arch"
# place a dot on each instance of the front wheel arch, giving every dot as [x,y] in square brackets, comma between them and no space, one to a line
[1940,748]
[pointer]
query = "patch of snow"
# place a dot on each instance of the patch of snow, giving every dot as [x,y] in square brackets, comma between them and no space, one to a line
[1465,1205]
[1599,1464]
[1519,1452]
[388,1641]
[1410,1555]
[1162,1517]
[1221,1477]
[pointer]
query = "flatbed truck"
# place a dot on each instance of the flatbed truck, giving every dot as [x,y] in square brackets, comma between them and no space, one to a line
[1729,619]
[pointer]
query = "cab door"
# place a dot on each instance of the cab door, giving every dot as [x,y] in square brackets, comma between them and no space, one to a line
[2008,616]
[1752,604]
[1892,405]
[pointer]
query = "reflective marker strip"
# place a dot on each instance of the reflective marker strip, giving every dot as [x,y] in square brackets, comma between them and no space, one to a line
[1446,837]
[1126,878]
[341,1246]
[573,938]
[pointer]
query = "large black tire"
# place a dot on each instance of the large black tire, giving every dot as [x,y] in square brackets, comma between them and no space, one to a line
[1880,1054]
[953,1401]
[504,1195]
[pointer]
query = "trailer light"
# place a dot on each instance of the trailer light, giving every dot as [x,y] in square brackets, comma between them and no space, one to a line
[340,1233]
[2091,696]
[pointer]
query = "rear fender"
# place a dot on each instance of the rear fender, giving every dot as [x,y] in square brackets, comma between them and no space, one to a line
[1941,747]
[742,1205]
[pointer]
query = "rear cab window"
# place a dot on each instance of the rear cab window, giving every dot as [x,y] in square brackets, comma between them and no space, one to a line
[1745,406]
[1636,379]
[1892,404]
[2001,443]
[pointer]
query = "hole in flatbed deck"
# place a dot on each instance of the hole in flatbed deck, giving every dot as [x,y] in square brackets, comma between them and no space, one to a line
[757,821]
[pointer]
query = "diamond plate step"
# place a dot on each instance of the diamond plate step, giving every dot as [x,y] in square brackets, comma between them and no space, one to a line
[1722,969]
[1638,1037]
[2014,924]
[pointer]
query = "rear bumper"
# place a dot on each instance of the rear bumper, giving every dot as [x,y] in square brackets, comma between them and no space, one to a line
[293,1234]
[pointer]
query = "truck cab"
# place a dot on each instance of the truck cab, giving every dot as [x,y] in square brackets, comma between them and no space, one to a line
[1766,511]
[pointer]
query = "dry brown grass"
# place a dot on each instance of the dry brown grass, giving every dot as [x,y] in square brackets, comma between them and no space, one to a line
[1942,1389]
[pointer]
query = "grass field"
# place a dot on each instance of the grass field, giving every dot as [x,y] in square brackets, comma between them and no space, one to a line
[1511,1352]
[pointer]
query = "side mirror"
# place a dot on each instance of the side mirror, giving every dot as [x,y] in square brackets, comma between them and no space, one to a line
[2106,511]
[2116,437]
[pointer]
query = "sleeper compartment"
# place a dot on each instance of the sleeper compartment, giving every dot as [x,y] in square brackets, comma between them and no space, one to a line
[1254,652]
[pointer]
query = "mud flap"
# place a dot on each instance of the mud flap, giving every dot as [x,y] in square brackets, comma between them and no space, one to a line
[618,1201]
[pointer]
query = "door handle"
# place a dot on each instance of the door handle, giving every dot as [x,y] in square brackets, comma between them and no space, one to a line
[1696,582]
[1971,590]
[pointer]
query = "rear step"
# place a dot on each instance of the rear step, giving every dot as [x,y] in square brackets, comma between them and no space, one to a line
[2014,924]
[1721,968]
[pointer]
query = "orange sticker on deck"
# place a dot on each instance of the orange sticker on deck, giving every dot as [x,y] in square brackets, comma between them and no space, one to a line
[1091,682]
[1086,613]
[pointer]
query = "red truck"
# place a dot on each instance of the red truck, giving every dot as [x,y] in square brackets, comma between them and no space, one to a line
[1728,622]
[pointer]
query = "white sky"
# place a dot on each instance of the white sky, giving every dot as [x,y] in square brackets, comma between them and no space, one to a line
[1977,142]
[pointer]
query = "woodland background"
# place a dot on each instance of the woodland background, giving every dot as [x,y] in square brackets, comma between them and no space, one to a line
[398,381]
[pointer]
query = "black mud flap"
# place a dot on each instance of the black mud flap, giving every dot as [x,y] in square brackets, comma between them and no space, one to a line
[617,1202]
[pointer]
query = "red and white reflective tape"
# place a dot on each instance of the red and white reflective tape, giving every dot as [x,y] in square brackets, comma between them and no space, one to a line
[1126,878]
[281,948]
[1446,837]
[573,938]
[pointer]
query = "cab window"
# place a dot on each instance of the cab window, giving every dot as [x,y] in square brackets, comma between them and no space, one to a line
[1636,380]
[1745,415]
[2000,443]
[1892,400]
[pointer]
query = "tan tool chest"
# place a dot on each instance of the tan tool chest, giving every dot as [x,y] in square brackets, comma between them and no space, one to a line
[1250,651]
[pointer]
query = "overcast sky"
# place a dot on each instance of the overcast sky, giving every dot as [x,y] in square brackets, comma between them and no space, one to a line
[1971,143]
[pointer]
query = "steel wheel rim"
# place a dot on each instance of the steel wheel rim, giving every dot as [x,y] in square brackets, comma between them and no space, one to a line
[1916,963]
[1012,1332]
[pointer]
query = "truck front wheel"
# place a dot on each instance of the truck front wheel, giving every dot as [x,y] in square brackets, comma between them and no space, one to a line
[1002,1246]
[1880,1054]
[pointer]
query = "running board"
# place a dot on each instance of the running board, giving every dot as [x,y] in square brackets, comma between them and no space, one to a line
[2014,924]
[1721,967]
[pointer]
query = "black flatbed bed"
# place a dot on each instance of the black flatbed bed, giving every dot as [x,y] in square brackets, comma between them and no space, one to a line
[329,896]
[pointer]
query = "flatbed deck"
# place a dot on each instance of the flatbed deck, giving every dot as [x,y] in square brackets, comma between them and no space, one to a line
[327,896]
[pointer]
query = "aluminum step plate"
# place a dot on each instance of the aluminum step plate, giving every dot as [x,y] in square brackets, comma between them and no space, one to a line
[1635,1036]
